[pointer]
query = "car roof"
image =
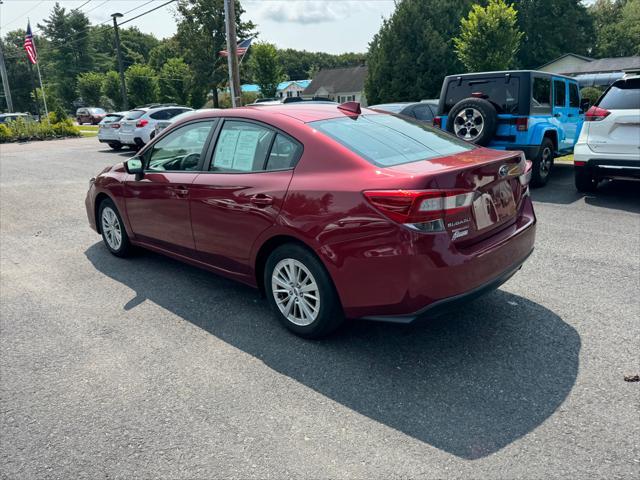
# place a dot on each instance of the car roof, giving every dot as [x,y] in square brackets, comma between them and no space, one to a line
[504,72]
[302,111]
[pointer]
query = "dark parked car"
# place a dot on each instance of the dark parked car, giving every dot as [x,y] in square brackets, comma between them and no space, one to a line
[329,210]
[424,111]
[90,115]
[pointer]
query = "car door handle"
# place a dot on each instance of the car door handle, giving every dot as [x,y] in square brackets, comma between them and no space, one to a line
[261,200]
[557,115]
[571,115]
[181,191]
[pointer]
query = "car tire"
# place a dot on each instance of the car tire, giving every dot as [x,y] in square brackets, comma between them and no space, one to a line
[543,163]
[474,120]
[586,182]
[301,292]
[115,146]
[114,235]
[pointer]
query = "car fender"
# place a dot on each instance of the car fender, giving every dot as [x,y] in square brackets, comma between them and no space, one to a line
[539,129]
[111,184]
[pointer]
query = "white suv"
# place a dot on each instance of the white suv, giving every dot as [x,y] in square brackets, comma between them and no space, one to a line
[138,126]
[609,143]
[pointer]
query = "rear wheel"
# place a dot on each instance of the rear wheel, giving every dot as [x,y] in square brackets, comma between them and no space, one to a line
[543,163]
[473,120]
[112,228]
[301,293]
[116,146]
[585,181]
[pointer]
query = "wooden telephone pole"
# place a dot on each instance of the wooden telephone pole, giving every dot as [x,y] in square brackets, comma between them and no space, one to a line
[232,49]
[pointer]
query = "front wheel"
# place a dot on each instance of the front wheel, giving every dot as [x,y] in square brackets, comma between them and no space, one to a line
[543,163]
[112,228]
[301,293]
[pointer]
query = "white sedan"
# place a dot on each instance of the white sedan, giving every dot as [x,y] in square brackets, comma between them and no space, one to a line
[138,126]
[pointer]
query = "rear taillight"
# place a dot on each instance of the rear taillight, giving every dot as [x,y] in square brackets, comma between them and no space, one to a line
[422,210]
[437,122]
[115,125]
[522,124]
[142,123]
[595,114]
[579,163]
[525,178]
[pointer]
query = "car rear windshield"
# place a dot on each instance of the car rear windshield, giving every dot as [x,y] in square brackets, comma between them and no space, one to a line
[134,114]
[502,94]
[387,140]
[112,118]
[622,95]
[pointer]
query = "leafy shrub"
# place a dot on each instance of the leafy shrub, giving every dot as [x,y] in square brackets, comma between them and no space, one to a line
[22,130]
[591,93]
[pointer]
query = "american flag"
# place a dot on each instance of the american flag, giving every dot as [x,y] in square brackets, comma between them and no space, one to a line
[29,46]
[241,49]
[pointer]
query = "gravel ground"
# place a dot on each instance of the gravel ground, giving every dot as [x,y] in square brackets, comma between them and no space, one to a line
[149,368]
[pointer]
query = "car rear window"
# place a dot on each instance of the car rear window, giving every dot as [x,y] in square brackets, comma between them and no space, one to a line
[622,95]
[502,94]
[111,118]
[134,114]
[386,140]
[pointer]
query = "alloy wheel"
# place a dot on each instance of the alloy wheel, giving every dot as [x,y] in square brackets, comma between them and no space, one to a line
[111,228]
[295,291]
[545,162]
[468,124]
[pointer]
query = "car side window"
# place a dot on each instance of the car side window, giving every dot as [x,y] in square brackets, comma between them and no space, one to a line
[559,93]
[574,95]
[241,147]
[161,115]
[423,112]
[541,95]
[284,153]
[181,149]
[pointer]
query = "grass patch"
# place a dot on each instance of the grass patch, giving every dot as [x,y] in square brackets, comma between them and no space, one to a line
[93,128]
[565,159]
[88,133]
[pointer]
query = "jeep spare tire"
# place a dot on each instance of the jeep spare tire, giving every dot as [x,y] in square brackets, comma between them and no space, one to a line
[473,120]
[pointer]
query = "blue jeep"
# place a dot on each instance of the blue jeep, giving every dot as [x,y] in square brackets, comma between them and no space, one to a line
[537,112]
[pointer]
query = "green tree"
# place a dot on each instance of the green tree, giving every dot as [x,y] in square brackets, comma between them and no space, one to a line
[21,80]
[413,50]
[68,52]
[617,27]
[267,73]
[301,64]
[111,87]
[201,35]
[166,49]
[590,93]
[142,84]
[489,37]
[175,81]
[552,28]
[136,46]
[90,87]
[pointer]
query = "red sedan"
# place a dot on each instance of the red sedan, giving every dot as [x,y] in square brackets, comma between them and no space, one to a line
[331,211]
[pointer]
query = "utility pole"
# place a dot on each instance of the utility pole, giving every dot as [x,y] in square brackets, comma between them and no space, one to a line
[5,82]
[232,44]
[123,85]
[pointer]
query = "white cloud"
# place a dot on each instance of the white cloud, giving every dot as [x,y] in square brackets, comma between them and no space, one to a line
[307,12]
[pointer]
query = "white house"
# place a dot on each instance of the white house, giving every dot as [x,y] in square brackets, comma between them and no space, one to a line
[339,84]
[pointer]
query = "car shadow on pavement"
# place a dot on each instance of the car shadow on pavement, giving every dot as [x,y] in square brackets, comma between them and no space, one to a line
[616,194]
[469,384]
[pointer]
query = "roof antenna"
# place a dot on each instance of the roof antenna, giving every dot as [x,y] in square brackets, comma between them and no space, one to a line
[353,107]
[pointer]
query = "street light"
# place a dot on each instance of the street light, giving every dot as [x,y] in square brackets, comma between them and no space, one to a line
[123,86]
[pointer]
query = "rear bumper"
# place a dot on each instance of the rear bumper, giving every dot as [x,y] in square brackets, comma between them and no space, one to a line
[109,140]
[445,305]
[610,168]
[400,278]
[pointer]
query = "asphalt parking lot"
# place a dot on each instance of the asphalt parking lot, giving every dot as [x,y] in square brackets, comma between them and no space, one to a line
[146,367]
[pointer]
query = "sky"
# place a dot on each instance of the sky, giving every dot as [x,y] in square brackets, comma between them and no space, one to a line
[333,26]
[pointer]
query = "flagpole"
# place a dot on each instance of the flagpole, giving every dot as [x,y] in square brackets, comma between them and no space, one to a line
[44,96]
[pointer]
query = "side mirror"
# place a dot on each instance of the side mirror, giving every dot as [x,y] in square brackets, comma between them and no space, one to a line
[585,103]
[134,166]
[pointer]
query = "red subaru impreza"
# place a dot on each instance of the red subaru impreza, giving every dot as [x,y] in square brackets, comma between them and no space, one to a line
[332,211]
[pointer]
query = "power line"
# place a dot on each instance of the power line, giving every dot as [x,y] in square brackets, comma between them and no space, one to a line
[78,8]
[23,14]
[96,7]
[148,11]
[139,6]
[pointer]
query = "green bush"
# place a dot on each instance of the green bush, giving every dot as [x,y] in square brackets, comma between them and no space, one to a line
[591,93]
[23,130]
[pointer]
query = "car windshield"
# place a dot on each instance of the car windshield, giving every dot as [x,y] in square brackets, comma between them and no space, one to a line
[622,95]
[503,94]
[134,114]
[387,140]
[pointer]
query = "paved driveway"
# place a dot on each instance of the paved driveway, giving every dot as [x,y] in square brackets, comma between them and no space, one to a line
[145,367]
